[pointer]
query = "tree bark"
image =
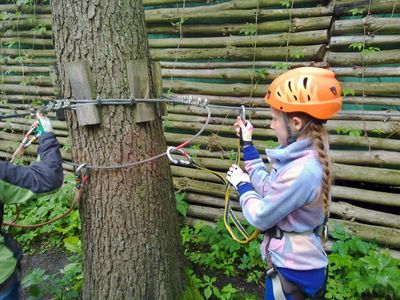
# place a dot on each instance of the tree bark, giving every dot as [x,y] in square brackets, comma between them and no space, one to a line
[130,234]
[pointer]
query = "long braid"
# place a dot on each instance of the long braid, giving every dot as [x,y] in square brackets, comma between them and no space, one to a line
[319,137]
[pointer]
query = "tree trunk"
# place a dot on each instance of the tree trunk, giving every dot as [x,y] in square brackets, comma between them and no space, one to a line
[131,244]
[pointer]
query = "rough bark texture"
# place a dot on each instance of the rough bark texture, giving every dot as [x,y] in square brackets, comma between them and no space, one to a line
[129,223]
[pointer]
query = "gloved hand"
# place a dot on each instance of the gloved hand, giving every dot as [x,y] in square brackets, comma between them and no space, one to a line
[243,130]
[42,124]
[237,176]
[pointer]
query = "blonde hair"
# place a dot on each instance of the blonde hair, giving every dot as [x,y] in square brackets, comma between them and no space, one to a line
[317,132]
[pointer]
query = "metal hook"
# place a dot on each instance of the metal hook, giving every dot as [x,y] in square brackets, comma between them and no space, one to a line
[243,114]
[178,161]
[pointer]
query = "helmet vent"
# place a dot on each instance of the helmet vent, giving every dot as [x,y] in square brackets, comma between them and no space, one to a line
[305,80]
[295,97]
[308,97]
[290,86]
[333,90]
[279,94]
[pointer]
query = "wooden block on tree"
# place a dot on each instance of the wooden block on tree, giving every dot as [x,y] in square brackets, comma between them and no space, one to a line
[139,84]
[157,86]
[79,76]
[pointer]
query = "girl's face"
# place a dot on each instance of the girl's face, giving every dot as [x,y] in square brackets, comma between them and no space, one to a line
[278,125]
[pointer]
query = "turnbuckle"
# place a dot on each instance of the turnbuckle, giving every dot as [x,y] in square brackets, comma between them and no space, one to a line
[186,162]
[197,102]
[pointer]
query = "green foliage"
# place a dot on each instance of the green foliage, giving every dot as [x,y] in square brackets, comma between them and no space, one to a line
[359,270]
[347,91]
[360,46]
[232,155]
[286,3]
[167,124]
[281,66]
[261,74]
[357,46]
[41,210]
[357,11]
[296,54]
[249,29]
[39,29]
[210,290]
[196,148]
[6,16]
[370,50]
[67,146]
[180,22]
[349,131]
[215,249]
[63,286]
[181,204]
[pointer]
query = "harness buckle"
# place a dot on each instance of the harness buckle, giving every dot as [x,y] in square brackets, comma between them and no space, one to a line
[324,234]
[186,162]
[272,272]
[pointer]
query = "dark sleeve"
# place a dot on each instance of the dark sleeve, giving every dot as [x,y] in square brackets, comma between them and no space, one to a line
[40,177]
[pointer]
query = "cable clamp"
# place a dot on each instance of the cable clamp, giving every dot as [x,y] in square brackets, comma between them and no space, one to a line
[186,162]
[80,175]
[98,100]
[132,99]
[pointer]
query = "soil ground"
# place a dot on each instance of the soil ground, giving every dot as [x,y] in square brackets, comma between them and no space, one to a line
[53,261]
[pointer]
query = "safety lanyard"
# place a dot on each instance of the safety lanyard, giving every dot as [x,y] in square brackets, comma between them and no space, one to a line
[229,216]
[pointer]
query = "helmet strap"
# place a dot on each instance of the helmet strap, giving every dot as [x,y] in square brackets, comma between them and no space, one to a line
[292,137]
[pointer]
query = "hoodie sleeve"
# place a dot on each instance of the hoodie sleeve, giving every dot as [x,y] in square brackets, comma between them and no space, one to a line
[256,169]
[21,183]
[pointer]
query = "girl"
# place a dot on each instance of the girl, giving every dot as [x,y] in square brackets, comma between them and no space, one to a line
[291,203]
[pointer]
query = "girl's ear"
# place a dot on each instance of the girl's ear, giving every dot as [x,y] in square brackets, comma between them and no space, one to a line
[297,123]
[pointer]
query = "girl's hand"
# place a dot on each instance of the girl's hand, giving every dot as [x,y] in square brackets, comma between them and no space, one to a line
[243,130]
[236,176]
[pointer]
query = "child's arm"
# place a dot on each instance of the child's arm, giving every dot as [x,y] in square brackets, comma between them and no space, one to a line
[255,167]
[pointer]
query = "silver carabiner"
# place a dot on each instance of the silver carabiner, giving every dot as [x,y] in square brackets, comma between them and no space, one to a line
[178,161]
[243,114]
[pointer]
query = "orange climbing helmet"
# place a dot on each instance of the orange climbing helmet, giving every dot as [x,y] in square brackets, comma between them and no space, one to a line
[311,90]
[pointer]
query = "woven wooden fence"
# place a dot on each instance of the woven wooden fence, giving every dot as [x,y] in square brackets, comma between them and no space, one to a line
[229,52]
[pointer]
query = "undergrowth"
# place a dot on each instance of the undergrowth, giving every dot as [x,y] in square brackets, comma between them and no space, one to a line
[358,269]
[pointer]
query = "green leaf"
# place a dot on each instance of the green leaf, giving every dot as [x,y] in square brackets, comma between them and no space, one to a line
[207,292]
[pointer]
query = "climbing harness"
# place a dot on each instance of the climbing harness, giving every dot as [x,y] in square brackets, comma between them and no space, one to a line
[81,179]
[280,285]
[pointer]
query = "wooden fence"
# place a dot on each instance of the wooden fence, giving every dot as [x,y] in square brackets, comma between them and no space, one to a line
[229,52]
